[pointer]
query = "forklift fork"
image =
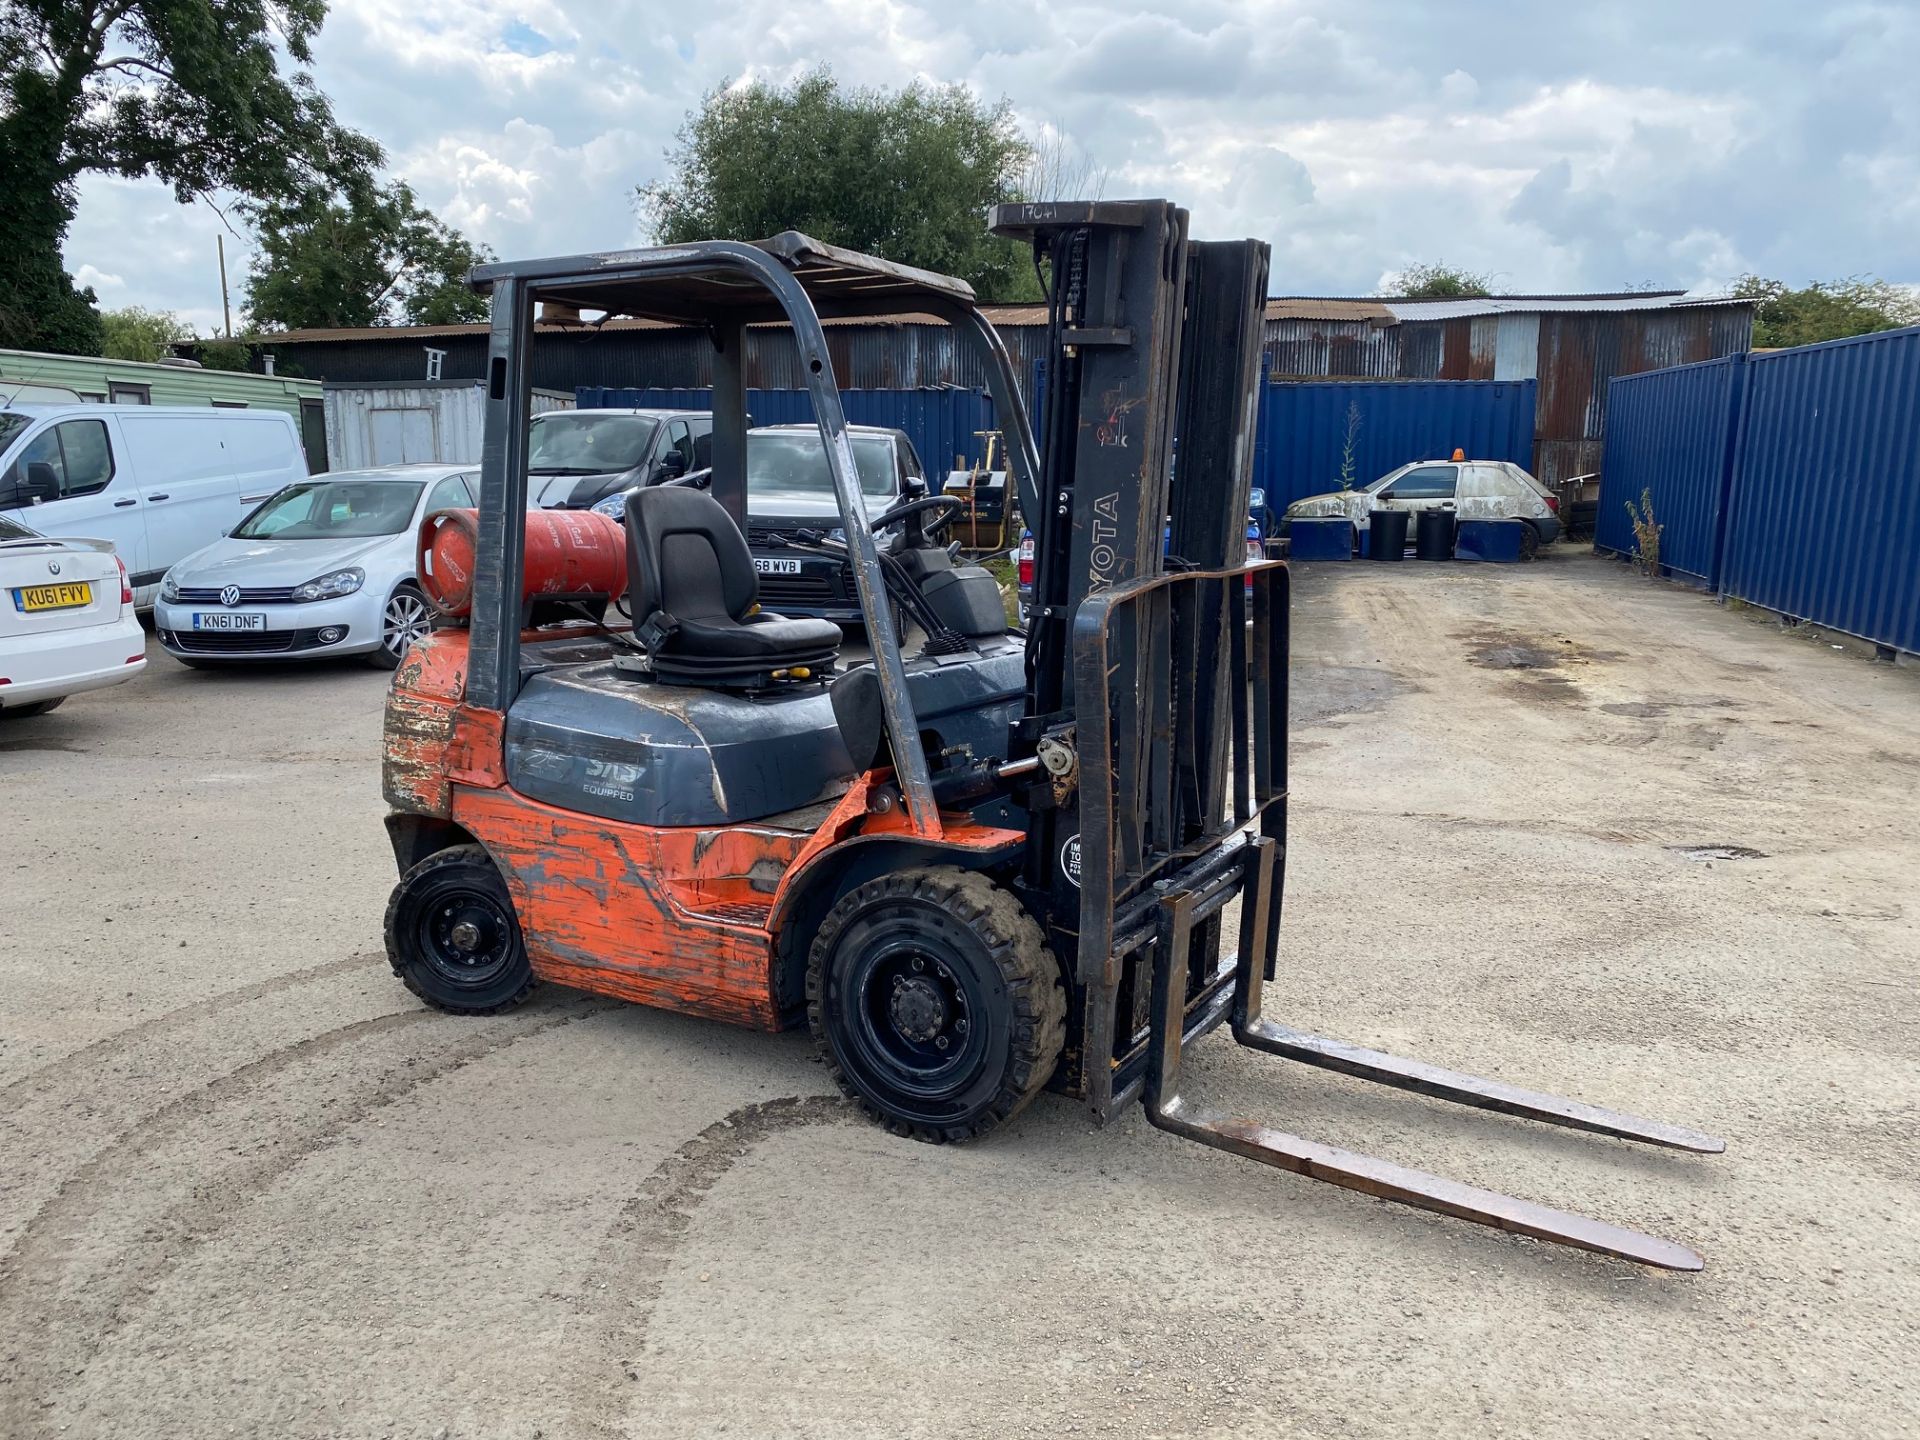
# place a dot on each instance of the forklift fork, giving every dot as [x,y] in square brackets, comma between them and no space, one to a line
[1169,1110]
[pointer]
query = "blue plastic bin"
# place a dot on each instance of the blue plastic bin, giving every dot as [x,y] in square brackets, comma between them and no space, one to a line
[1320,540]
[1488,540]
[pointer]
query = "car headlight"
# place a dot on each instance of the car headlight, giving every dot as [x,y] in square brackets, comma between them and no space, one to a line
[614,507]
[169,588]
[331,587]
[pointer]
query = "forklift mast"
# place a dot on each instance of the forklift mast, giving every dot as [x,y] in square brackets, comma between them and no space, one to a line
[1157,667]
[1149,335]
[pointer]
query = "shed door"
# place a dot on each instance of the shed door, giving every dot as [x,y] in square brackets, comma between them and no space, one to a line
[401,437]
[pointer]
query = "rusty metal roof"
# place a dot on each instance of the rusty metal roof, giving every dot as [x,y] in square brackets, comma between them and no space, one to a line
[1368,310]
[1307,307]
[999,315]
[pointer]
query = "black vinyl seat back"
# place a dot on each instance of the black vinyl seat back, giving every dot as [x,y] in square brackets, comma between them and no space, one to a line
[696,597]
[686,556]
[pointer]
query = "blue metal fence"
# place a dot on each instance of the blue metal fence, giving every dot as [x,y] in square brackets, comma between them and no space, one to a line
[941,423]
[1302,436]
[1300,449]
[1826,500]
[1670,442]
[1790,480]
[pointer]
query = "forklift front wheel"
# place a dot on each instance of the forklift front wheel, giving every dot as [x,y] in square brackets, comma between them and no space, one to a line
[935,1002]
[453,938]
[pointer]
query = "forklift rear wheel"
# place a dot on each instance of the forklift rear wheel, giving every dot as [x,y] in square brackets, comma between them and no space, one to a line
[453,938]
[935,1003]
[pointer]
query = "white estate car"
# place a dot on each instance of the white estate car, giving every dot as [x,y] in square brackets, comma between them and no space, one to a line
[1472,489]
[324,568]
[66,620]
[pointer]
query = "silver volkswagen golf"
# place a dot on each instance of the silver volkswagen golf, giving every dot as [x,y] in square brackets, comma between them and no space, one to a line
[323,568]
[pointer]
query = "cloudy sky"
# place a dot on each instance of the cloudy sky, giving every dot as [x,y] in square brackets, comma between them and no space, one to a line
[1560,147]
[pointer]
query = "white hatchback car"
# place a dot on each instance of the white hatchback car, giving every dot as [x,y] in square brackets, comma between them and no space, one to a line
[1472,489]
[66,620]
[324,568]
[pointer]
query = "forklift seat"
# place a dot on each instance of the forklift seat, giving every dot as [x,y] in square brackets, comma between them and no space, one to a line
[696,596]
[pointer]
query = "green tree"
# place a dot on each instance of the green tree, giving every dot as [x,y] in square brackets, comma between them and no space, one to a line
[1825,310]
[136,334]
[215,353]
[189,92]
[364,257]
[906,175]
[1439,281]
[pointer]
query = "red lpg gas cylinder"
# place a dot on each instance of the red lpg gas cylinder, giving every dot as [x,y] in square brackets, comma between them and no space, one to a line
[572,554]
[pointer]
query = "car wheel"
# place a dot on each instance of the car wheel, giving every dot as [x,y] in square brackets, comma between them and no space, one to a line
[1529,540]
[404,619]
[27,712]
[935,1003]
[453,937]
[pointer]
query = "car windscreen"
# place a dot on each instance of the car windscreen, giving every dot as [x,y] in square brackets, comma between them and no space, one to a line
[333,510]
[11,424]
[588,444]
[14,530]
[797,463]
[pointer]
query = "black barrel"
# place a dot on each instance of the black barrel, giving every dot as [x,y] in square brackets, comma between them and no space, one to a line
[1387,535]
[1433,535]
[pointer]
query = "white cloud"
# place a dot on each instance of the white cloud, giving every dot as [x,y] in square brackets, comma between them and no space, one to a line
[1558,148]
[99,279]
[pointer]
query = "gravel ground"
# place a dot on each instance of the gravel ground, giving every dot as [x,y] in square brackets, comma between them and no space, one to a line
[248,1187]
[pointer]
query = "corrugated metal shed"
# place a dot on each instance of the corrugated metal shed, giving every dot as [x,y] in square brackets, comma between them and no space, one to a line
[1826,500]
[404,423]
[1580,352]
[1572,344]
[1670,439]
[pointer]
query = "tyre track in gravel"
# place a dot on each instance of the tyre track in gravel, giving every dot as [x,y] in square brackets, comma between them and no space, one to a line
[62,1116]
[43,1079]
[57,1312]
[620,1290]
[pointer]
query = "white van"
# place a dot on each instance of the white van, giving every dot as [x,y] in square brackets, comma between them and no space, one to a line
[159,482]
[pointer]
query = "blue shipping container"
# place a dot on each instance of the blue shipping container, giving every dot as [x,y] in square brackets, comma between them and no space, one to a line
[1826,495]
[941,423]
[1670,438]
[1304,428]
[1298,448]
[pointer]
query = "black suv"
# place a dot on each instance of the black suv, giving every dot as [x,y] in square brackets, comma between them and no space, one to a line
[789,489]
[576,458]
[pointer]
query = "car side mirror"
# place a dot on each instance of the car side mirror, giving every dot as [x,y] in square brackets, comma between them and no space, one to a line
[1384,495]
[42,483]
[913,487]
[672,465]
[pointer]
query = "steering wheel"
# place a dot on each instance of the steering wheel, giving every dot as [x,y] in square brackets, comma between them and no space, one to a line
[949,505]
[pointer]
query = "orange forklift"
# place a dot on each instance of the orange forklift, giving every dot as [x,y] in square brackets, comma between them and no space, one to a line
[978,862]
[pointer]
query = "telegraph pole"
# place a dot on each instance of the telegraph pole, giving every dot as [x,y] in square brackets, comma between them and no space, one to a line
[226,312]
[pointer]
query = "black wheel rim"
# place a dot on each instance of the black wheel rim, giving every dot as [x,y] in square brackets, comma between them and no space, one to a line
[917,1020]
[466,936]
